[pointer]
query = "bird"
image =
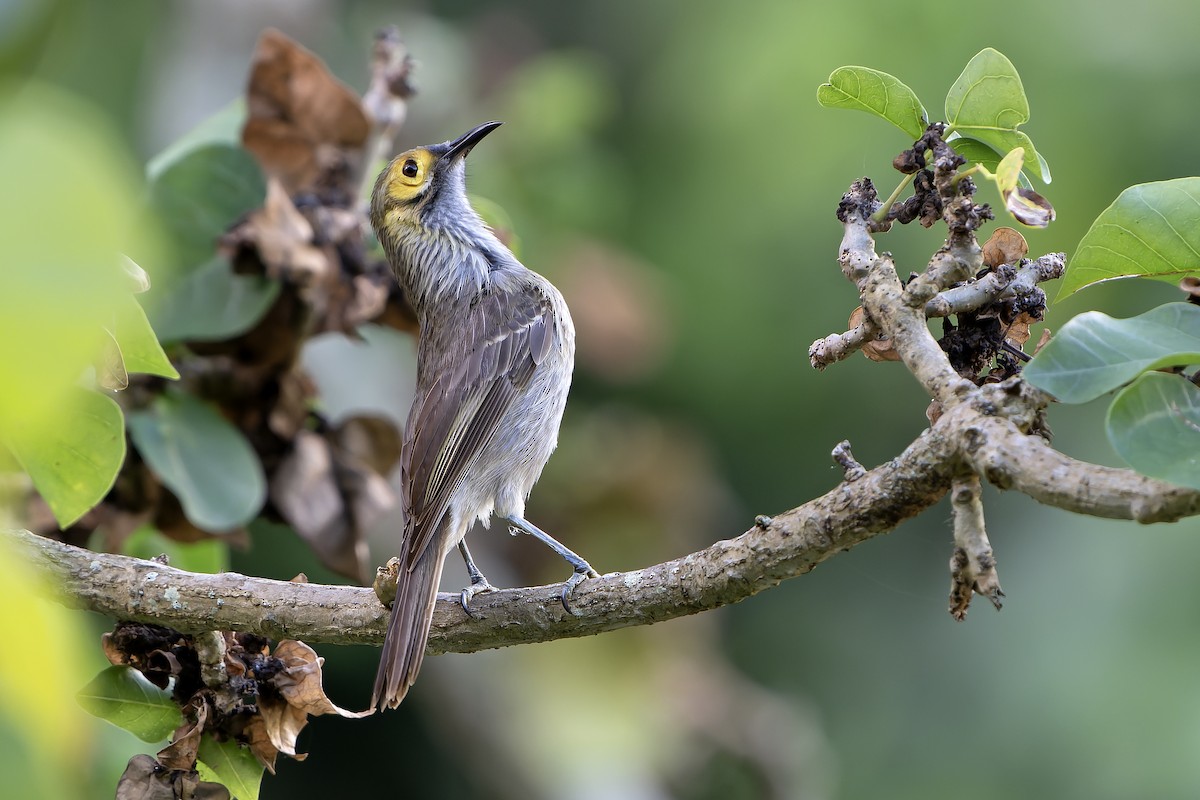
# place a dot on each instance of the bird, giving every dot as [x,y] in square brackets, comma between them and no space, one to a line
[495,353]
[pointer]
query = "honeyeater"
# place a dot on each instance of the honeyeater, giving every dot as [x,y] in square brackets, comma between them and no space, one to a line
[494,359]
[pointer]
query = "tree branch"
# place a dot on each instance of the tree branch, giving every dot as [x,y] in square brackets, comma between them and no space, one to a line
[981,432]
[788,545]
[986,433]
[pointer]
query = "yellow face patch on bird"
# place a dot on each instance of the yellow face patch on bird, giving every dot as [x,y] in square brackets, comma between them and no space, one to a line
[409,174]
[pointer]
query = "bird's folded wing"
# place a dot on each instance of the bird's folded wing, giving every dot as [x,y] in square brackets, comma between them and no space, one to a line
[504,337]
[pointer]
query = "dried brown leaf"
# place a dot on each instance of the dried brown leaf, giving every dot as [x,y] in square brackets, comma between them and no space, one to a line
[259,741]
[303,487]
[1004,246]
[1029,207]
[933,412]
[300,681]
[310,490]
[1190,285]
[282,723]
[112,652]
[880,349]
[304,125]
[145,779]
[291,410]
[302,695]
[372,440]
[185,742]
[1018,332]
[1042,340]
[347,301]
[283,239]
[366,302]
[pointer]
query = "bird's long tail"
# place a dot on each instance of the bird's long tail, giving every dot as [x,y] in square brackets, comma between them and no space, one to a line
[408,628]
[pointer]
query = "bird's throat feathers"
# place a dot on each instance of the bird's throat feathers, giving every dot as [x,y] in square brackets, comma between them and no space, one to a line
[438,262]
[439,246]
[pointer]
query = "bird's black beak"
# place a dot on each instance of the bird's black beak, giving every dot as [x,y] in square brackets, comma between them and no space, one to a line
[463,144]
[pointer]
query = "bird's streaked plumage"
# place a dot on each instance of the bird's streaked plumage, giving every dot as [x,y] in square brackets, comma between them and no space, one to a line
[494,363]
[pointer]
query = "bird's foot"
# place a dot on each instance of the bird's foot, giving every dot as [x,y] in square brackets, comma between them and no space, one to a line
[583,571]
[479,584]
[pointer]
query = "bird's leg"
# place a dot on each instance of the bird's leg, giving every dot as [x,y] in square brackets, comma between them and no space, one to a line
[479,583]
[583,569]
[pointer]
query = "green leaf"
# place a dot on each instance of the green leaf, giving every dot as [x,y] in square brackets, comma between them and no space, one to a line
[976,152]
[231,765]
[1005,142]
[74,457]
[1009,169]
[875,92]
[140,350]
[122,696]
[61,283]
[202,458]
[988,103]
[1154,424]
[209,555]
[200,195]
[212,303]
[223,127]
[1150,230]
[48,647]
[1094,353]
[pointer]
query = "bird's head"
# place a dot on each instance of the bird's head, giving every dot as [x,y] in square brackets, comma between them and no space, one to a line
[425,188]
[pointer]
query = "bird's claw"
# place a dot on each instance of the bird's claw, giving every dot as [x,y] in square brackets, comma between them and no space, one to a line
[581,574]
[477,587]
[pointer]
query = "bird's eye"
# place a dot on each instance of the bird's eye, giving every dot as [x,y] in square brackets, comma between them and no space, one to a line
[410,169]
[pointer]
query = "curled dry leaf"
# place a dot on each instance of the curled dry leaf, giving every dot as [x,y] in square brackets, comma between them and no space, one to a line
[1191,286]
[283,238]
[181,752]
[113,652]
[301,695]
[1042,340]
[260,744]
[367,300]
[1004,246]
[305,127]
[373,440]
[158,653]
[933,412]
[877,350]
[145,779]
[1029,207]
[1018,332]
[329,497]
[291,410]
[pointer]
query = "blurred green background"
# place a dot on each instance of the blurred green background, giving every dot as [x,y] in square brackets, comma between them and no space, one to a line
[667,165]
